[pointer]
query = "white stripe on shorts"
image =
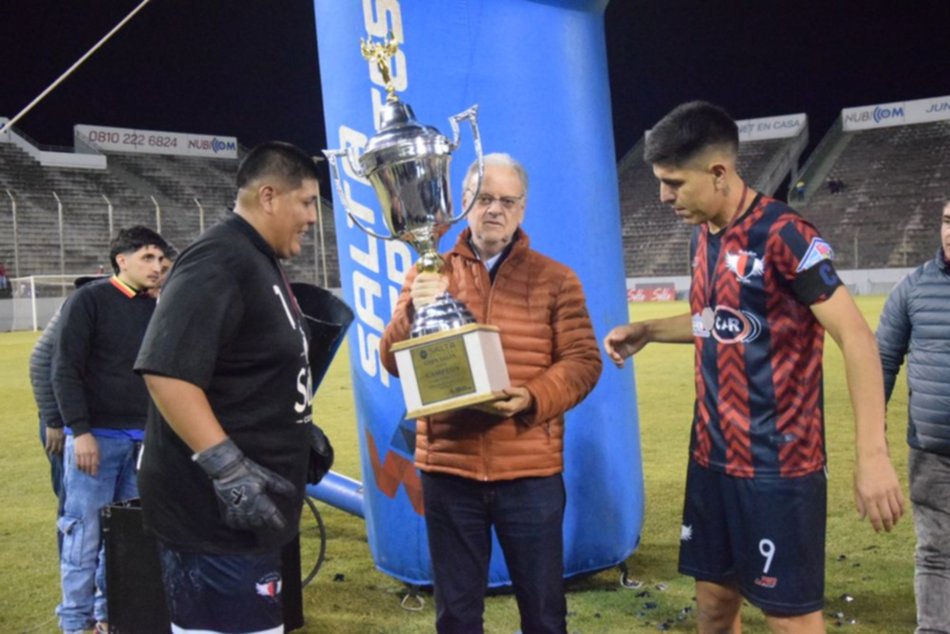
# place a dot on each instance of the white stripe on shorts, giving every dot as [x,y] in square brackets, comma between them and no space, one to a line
[181,630]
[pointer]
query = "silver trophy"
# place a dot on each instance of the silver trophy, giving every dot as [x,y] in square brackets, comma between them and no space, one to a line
[407,164]
[449,362]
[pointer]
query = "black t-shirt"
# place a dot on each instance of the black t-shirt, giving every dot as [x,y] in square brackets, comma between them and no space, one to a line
[227,323]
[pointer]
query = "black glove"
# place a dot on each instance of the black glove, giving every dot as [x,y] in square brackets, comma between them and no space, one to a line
[242,486]
[321,455]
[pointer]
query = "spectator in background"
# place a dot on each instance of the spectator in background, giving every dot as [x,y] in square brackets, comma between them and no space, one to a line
[800,189]
[171,254]
[52,434]
[103,404]
[916,324]
[6,289]
[835,185]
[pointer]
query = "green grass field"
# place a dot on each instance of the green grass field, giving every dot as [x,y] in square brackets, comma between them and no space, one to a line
[351,596]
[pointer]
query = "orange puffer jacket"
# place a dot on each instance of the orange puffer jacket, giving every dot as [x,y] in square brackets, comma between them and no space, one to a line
[549,348]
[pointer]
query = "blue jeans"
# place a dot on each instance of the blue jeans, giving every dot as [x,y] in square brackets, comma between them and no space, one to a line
[56,479]
[82,562]
[527,514]
[930,494]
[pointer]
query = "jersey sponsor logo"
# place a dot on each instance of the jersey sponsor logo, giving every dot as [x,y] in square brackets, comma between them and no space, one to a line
[745,265]
[818,251]
[269,586]
[735,326]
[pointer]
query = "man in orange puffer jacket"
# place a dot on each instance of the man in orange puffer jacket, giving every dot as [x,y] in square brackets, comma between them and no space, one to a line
[501,465]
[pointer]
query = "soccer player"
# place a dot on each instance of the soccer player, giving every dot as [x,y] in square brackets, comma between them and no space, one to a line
[763,293]
[226,362]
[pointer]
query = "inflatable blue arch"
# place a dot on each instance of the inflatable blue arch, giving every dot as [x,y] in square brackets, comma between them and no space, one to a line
[538,71]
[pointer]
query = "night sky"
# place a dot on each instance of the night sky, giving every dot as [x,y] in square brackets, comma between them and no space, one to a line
[248,68]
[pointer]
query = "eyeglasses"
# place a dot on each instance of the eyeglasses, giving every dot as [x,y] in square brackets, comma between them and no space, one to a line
[507,202]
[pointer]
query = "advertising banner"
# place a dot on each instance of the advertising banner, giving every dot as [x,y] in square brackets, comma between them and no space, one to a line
[780,127]
[896,113]
[652,293]
[110,139]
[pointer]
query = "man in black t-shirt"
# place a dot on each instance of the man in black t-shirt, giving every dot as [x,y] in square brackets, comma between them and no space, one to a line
[225,359]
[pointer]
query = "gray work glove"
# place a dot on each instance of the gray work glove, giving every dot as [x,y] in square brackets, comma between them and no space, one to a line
[242,487]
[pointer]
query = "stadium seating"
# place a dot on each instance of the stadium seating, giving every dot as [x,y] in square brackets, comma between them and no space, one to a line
[144,189]
[894,185]
[85,216]
[655,241]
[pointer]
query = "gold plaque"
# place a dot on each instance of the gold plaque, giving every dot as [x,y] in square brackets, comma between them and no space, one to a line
[451,370]
[442,370]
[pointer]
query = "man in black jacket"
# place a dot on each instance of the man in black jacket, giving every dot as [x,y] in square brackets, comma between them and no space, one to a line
[916,323]
[103,404]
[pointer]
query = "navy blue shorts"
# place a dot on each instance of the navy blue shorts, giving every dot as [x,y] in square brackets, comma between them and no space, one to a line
[222,593]
[765,535]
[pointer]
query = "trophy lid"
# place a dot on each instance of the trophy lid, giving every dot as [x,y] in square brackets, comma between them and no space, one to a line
[401,138]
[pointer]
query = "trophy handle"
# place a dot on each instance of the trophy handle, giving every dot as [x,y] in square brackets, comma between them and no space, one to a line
[350,155]
[471,115]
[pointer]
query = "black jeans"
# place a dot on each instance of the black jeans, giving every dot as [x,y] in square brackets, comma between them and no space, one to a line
[527,514]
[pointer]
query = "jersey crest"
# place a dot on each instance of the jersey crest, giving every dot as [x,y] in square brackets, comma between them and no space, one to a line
[818,251]
[745,265]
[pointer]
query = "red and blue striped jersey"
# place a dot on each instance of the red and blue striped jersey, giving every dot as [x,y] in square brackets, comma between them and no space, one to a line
[759,408]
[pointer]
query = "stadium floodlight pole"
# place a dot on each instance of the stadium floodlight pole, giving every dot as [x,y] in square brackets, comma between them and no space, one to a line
[9,124]
[201,216]
[16,236]
[110,211]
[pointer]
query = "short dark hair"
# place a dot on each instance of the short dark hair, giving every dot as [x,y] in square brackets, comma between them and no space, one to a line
[688,130]
[278,159]
[131,240]
[171,252]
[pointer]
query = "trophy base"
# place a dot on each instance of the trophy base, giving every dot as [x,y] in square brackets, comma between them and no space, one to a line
[451,370]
